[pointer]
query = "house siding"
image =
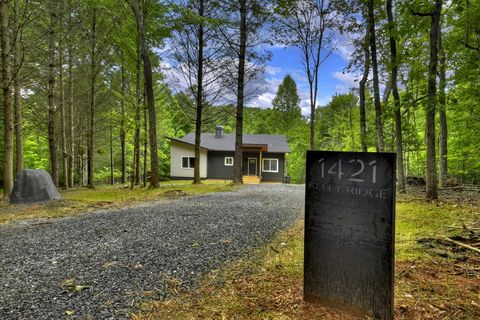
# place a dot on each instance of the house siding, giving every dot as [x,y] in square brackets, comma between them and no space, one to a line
[179,150]
[216,165]
[274,176]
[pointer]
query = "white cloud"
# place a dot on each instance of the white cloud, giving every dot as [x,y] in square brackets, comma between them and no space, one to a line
[271,70]
[347,81]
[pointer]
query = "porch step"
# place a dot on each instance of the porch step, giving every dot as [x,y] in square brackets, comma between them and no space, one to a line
[251,179]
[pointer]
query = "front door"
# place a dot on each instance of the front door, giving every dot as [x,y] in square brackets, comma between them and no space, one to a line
[252,166]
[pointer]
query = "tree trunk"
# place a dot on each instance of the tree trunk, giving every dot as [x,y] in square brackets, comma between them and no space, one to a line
[442,113]
[147,69]
[7,104]
[136,136]
[145,137]
[112,163]
[432,192]
[62,108]
[237,162]
[199,97]
[52,139]
[93,76]
[362,86]
[376,89]
[123,145]
[71,141]
[396,98]
[17,54]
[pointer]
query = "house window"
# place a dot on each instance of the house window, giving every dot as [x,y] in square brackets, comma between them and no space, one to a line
[270,165]
[188,162]
[228,161]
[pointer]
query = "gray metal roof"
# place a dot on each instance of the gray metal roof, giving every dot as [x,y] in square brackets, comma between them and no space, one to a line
[274,143]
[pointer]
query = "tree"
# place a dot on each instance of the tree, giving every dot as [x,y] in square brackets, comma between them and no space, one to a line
[361,89]
[304,24]
[201,63]
[287,102]
[93,96]
[396,96]
[52,139]
[141,22]
[7,104]
[376,90]
[431,161]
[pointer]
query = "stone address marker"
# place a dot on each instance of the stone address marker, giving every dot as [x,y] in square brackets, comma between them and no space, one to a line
[349,231]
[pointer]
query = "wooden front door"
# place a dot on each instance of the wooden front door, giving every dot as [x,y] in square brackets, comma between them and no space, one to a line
[252,166]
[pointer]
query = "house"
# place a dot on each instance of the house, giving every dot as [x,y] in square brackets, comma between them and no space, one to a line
[263,156]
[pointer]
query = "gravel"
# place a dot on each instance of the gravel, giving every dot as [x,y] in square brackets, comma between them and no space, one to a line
[101,265]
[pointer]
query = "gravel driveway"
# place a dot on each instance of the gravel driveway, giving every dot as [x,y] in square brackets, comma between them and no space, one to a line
[118,255]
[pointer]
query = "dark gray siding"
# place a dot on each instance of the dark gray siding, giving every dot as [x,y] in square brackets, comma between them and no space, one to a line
[216,168]
[275,176]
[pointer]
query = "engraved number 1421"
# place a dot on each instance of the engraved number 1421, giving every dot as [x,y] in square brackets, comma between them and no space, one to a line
[336,169]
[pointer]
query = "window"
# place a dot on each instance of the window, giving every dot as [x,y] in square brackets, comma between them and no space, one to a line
[188,162]
[229,161]
[270,165]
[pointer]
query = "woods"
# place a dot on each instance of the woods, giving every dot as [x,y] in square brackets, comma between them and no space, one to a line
[92,90]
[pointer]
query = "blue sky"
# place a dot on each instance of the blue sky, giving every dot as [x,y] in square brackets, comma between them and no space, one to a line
[288,61]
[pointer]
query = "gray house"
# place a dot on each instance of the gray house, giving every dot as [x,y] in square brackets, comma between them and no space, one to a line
[263,156]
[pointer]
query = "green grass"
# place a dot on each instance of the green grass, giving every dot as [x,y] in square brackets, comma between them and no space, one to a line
[83,200]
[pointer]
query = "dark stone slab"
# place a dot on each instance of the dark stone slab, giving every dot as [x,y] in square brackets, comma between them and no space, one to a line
[32,186]
[349,231]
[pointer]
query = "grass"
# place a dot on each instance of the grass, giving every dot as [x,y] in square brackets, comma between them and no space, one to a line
[267,284]
[82,200]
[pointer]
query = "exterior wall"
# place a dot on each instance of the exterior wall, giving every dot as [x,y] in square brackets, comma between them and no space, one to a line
[275,176]
[179,150]
[216,165]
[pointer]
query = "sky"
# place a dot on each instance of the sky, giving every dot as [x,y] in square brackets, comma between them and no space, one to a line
[332,79]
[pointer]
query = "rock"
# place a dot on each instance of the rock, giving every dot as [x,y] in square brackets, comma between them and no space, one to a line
[32,186]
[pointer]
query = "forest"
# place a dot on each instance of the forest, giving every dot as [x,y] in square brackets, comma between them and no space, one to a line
[93,89]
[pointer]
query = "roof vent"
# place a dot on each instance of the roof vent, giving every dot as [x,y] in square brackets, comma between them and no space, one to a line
[218,132]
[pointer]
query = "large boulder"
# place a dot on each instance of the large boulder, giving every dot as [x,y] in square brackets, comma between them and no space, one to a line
[33,186]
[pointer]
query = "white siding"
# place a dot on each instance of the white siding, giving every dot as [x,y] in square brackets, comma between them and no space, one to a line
[179,150]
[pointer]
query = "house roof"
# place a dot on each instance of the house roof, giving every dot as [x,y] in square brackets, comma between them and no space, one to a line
[274,143]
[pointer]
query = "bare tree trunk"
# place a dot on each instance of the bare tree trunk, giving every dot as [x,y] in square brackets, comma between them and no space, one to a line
[7,104]
[112,163]
[17,54]
[396,98]
[432,192]
[136,137]
[122,128]
[62,107]
[362,86]
[376,89]
[199,97]
[52,139]
[145,137]
[71,141]
[93,76]
[237,163]
[442,113]
[147,69]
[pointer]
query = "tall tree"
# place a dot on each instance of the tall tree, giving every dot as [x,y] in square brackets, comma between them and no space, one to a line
[376,89]
[63,129]
[71,112]
[140,18]
[287,102]
[52,111]
[442,102]
[93,96]
[202,65]
[17,64]
[7,104]
[431,160]
[304,24]
[362,87]
[396,96]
